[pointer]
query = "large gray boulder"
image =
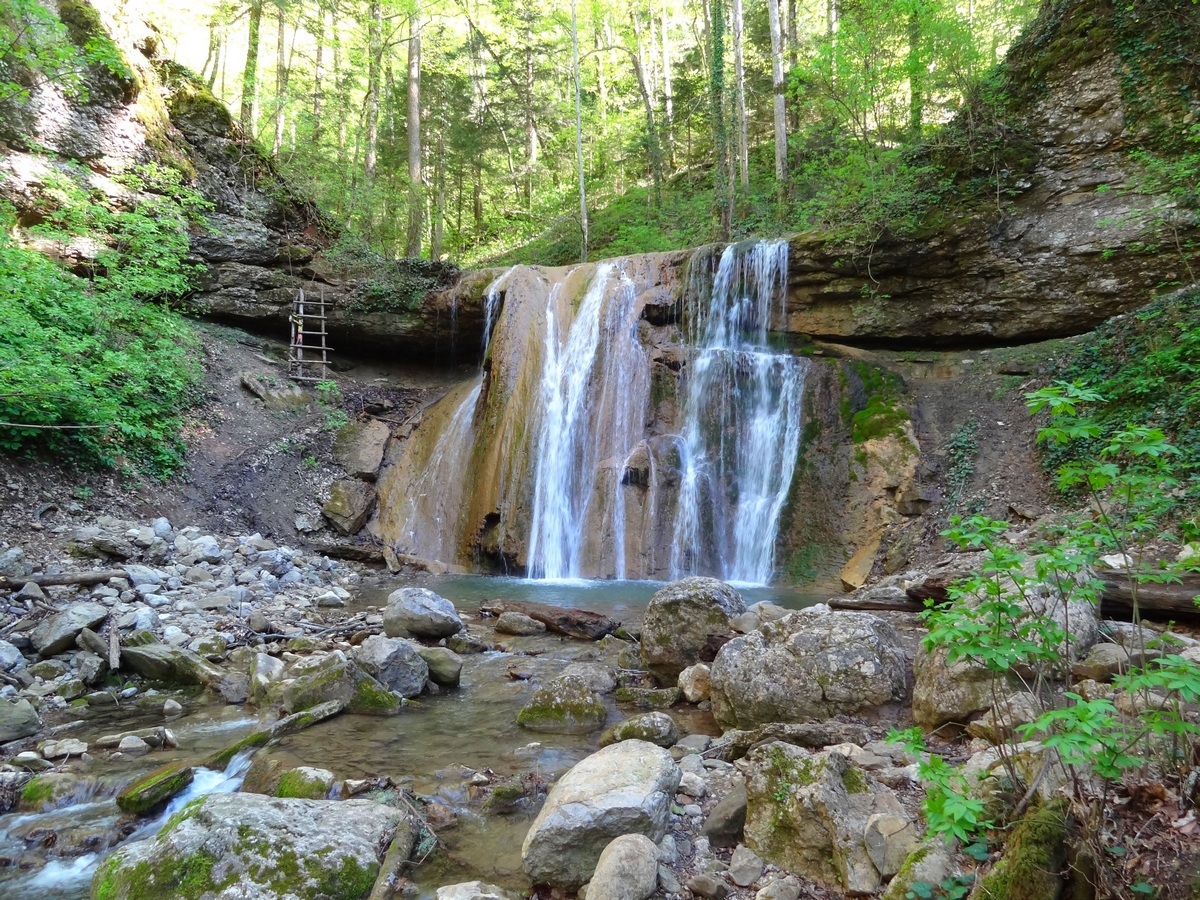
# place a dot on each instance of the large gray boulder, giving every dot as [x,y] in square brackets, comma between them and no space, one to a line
[623,789]
[686,622]
[421,613]
[394,663]
[336,677]
[252,847]
[808,665]
[566,705]
[18,719]
[627,870]
[58,632]
[945,692]
[820,816]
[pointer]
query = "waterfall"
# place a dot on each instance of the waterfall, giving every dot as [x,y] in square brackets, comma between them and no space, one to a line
[742,424]
[594,391]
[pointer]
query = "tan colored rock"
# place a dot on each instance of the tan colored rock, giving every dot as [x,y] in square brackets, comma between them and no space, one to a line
[350,504]
[359,448]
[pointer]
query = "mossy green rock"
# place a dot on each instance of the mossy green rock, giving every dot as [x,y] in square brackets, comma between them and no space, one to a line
[253,847]
[564,706]
[649,698]
[305,783]
[1034,858]
[653,727]
[149,791]
[335,677]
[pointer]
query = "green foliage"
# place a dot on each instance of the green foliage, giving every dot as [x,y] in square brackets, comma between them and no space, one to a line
[388,285]
[961,451]
[949,808]
[883,413]
[89,367]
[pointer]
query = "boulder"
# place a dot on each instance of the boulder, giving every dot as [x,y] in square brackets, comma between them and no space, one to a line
[930,862]
[178,665]
[686,622]
[334,677]
[255,847]
[305,783]
[626,870]
[58,633]
[18,719]
[597,676]
[394,663]
[653,727]
[945,692]
[150,791]
[622,789]
[1000,723]
[727,821]
[349,505]
[695,683]
[420,612]
[445,666]
[565,705]
[809,813]
[518,624]
[11,659]
[808,665]
[359,447]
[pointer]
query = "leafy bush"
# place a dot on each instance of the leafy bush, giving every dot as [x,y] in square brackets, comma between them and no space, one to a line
[89,366]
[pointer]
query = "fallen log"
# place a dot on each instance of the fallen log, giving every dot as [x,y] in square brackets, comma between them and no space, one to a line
[65,578]
[1166,599]
[575,623]
[884,604]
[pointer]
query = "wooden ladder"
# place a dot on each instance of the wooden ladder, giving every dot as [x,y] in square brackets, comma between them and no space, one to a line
[308,334]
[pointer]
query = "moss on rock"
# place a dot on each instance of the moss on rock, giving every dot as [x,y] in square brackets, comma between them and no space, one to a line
[145,794]
[1032,865]
[564,706]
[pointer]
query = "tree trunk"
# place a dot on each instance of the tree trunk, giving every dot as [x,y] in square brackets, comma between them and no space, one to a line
[780,105]
[916,74]
[583,210]
[318,73]
[601,76]
[656,167]
[416,186]
[250,70]
[437,232]
[531,139]
[213,55]
[281,80]
[739,71]
[374,53]
[668,90]
[721,171]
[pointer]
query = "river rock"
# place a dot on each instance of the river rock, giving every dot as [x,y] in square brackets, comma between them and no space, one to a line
[13,564]
[11,659]
[256,848]
[349,505]
[1001,721]
[58,633]
[745,866]
[809,813]
[626,870]
[359,447]
[335,677]
[420,612]
[305,783]
[519,624]
[565,705]
[726,823]
[946,692]
[808,665]
[162,662]
[597,676]
[695,683]
[687,622]
[445,666]
[148,792]
[931,862]
[625,788]
[394,663]
[653,727]
[474,890]
[18,719]
[266,671]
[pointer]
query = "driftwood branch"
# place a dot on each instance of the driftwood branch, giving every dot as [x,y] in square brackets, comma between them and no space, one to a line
[574,623]
[94,577]
[1177,599]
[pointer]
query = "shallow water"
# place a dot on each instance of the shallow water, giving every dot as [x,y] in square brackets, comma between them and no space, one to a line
[425,747]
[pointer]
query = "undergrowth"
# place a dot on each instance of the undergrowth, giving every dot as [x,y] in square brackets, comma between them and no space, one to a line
[97,365]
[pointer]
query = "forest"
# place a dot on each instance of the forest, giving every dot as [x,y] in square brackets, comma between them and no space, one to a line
[490,132]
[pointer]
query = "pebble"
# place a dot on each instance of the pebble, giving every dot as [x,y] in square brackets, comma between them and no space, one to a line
[746,867]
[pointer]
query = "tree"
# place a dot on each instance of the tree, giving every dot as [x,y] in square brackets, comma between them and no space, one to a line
[416,175]
[778,88]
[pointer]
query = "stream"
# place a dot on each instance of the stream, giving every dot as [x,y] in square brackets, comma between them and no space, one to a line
[433,747]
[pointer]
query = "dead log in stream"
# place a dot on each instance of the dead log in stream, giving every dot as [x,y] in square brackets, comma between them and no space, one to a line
[575,623]
[1169,600]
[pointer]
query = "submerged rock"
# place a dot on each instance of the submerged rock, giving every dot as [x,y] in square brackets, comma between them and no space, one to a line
[808,665]
[252,847]
[567,705]
[623,789]
[420,612]
[686,622]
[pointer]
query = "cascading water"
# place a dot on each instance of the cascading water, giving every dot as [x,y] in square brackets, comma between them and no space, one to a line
[598,443]
[594,391]
[742,412]
[433,500]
